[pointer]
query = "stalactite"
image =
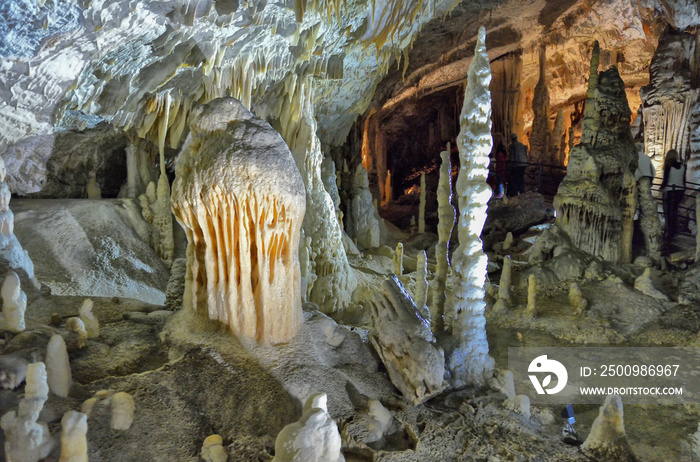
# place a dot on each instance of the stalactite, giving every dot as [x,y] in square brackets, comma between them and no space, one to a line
[446,221]
[467,356]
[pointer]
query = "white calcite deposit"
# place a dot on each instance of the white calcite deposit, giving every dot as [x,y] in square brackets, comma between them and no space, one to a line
[58,367]
[468,357]
[240,198]
[314,438]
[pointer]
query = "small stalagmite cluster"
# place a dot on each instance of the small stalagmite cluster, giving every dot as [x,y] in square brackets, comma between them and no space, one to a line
[596,200]
[241,200]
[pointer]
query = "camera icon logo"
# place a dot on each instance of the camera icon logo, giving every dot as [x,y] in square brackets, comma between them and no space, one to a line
[549,366]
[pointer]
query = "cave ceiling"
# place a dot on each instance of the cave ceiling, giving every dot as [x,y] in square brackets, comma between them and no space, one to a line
[142,66]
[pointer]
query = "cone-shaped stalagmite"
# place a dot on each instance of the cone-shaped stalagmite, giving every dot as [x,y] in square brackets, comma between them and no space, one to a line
[468,359]
[241,200]
[596,200]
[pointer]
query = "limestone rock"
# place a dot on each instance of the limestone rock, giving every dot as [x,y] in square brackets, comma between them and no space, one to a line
[576,299]
[405,344]
[314,438]
[13,370]
[75,324]
[240,198]
[607,441]
[74,437]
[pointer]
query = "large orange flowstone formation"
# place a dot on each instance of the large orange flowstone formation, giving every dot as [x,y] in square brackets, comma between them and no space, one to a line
[241,200]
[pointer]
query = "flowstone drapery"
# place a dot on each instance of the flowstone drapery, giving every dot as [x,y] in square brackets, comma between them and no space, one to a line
[596,200]
[468,357]
[240,198]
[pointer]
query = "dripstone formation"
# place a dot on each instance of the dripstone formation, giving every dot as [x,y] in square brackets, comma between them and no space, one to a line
[596,200]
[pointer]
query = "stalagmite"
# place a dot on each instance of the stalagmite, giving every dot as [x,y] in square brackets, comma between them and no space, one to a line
[122,411]
[596,201]
[75,324]
[27,440]
[467,358]
[645,285]
[213,449]
[398,259]
[446,221]
[576,299]
[334,280]
[607,441]
[74,437]
[92,325]
[389,196]
[14,303]
[649,220]
[363,222]
[421,206]
[558,139]
[531,309]
[58,367]
[314,438]
[540,140]
[402,338]
[504,285]
[421,297]
[93,189]
[240,198]
[508,241]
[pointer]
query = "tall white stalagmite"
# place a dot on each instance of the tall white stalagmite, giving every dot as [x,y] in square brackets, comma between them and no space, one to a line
[421,297]
[468,358]
[446,221]
[421,206]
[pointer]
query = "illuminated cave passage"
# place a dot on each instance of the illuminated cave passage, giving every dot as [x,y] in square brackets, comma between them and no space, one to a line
[204,254]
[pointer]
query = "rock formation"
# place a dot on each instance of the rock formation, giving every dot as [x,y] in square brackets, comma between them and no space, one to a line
[363,223]
[421,296]
[240,198]
[504,284]
[607,441]
[531,309]
[122,411]
[213,449]
[446,217]
[27,440]
[14,303]
[59,377]
[576,299]
[92,325]
[405,344]
[467,359]
[671,99]
[596,200]
[541,138]
[74,429]
[314,438]
[398,259]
